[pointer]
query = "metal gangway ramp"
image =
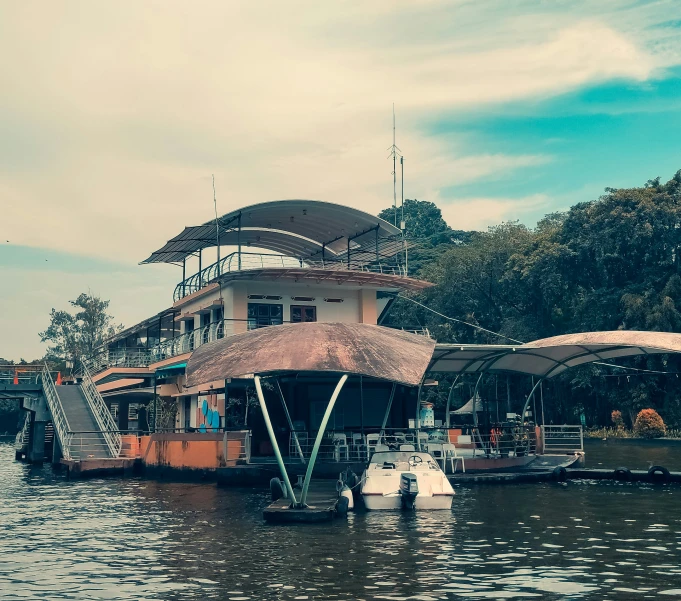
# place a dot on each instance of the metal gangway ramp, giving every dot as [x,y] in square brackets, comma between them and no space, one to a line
[82,424]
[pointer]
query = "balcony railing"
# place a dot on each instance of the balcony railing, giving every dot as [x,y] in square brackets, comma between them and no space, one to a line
[244,261]
[186,343]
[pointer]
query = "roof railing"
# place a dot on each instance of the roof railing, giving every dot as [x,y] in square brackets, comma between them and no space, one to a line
[246,261]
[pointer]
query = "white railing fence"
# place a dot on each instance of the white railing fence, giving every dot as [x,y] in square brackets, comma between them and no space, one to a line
[102,414]
[562,439]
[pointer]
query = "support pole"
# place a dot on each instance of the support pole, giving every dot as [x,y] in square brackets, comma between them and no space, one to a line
[529,397]
[475,414]
[318,440]
[273,440]
[238,239]
[200,275]
[184,276]
[154,405]
[290,422]
[449,401]
[387,409]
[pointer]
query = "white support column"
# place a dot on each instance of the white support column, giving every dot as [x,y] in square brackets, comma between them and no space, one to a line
[273,440]
[318,440]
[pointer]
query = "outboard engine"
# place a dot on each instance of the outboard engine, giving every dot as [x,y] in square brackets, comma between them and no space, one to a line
[409,489]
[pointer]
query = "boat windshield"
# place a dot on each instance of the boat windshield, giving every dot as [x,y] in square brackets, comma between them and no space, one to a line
[399,457]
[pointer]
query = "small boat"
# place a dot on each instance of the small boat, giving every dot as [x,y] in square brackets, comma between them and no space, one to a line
[405,480]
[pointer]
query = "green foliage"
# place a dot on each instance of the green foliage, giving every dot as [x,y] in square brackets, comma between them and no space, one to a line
[612,263]
[649,424]
[74,335]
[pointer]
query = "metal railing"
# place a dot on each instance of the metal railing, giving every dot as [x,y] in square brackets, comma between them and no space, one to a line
[240,261]
[125,357]
[355,446]
[61,424]
[21,439]
[562,439]
[101,413]
[188,342]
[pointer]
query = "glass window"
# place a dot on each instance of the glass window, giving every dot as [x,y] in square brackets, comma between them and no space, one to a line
[264,314]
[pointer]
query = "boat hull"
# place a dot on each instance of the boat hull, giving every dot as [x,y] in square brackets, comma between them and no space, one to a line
[394,502]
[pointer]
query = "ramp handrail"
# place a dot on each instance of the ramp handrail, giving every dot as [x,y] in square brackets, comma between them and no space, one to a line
[61,424]
[102,415]
[22,435]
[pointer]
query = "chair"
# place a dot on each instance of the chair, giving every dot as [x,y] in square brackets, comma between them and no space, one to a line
[358,444]
[372,441]
[407,447]
[423,440]
[400,437]
[450,452]
[382,448]
[437,452]
[340,443]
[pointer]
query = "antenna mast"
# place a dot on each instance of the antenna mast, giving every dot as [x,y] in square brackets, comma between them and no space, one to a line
[394,153]
[217,227]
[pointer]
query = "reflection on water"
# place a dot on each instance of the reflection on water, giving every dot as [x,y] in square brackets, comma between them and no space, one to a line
[134,539]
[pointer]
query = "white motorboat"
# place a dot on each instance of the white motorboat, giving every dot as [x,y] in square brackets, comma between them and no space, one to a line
[405,480]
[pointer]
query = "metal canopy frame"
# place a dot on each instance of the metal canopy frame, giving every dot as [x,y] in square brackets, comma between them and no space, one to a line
[300,228]
[546,358]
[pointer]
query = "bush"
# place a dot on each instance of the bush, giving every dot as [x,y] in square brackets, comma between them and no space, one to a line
[617,420]
[649,424]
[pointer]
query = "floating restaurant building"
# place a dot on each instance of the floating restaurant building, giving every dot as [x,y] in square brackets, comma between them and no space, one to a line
[289,262]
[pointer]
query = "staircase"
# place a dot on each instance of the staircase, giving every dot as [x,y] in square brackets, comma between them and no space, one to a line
[82,422]
[86,441]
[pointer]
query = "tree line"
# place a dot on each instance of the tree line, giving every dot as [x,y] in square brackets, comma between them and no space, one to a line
[611,263]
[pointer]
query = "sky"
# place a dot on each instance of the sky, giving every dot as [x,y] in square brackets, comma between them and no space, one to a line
[114,116]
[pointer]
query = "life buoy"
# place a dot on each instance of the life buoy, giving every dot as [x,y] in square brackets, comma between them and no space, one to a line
[657,473]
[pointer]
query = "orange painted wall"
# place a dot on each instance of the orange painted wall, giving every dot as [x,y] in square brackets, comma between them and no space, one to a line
[191,451]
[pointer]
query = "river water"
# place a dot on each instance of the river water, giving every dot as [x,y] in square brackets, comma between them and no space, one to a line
[136,539]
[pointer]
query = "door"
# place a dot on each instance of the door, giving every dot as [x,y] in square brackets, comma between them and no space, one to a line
[303,313]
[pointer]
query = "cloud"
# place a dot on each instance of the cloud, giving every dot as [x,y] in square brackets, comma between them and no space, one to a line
[113,117]
[480,213]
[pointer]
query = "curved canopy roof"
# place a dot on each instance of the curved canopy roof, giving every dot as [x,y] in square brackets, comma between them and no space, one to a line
[549,357]
[298,228]
[351,348]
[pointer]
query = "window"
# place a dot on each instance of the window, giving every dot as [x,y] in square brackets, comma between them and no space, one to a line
[303,313]
[262,314]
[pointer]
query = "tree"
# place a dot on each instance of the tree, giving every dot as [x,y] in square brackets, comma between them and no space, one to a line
[426,231]
[649,424]
[74,336]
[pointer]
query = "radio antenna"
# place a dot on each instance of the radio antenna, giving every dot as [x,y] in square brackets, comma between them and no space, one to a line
[394,153]
[217,226]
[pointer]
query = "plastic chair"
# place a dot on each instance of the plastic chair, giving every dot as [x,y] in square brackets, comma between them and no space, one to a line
[372,441]
[453,456]
[423,440]
[382,448]
[437,452]
[407,447]
[358,445]
[340,443]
